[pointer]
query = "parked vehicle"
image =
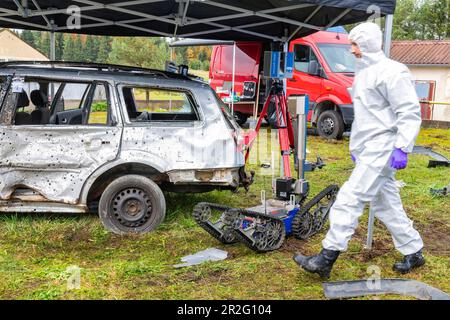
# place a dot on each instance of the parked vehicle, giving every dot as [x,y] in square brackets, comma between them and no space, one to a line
[76,135]
[323,68]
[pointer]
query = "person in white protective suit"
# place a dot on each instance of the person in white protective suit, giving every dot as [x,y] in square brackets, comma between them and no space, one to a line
[386,125]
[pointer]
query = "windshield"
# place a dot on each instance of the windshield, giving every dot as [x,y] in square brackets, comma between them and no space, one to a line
[338,57]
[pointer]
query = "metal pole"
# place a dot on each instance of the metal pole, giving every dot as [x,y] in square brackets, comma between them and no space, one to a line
[52,58]
[388,34]
[370,230]
[301,135]
[387,52]
[52,46]
[233,80]
[285,49]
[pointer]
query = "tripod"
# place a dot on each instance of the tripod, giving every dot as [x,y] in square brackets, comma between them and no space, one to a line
[284,123]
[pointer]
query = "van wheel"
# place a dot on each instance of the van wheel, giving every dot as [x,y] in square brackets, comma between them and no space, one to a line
[132,204]
[241,118]
[330,125]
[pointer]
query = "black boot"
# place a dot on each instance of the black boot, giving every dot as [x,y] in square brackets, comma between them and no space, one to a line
[320,264]
[410,262]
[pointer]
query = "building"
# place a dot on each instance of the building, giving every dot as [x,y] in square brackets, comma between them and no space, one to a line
[14,48]
[429,62]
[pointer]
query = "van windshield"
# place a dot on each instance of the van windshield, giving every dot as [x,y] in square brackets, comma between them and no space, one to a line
[338,57]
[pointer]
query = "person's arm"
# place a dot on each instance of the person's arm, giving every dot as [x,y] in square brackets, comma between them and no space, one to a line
[403,99]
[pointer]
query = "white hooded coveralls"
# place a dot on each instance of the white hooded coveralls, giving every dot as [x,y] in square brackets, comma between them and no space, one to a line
[387,116]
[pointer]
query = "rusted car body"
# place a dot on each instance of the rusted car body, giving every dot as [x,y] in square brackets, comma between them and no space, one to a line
[59,153]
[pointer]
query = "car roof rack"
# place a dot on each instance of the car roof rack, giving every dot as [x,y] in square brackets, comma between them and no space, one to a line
[90,65]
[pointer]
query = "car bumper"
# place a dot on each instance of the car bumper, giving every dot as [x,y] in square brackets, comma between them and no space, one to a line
[347,113]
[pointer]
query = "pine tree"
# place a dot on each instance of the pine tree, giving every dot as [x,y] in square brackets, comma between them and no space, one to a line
[45,44]
[59,43]
[78,54]
[104,49]
[90,49]
[37,39]
[27,36]
[69,48]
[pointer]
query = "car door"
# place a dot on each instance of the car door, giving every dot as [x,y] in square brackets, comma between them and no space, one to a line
[302,82]
[54,159]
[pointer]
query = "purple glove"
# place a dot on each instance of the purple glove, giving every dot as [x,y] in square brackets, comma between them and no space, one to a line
[399,159]
[353,157]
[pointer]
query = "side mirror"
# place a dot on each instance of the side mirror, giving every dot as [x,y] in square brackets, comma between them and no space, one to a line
[314,68]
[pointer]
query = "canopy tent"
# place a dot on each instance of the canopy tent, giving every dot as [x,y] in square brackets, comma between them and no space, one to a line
[237,20]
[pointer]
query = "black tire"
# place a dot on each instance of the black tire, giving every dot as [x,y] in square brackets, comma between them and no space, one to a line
[132,204]
[330,125]
[241,118]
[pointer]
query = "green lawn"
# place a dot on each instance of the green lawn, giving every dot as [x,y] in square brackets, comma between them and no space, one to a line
[36,250]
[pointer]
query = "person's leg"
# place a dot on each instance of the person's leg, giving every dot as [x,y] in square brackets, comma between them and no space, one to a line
[388,208]
[363,185]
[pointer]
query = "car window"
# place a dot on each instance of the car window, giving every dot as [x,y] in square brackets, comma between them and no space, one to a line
[98,110]
[302,56]
[70,96]
[43,102]
[30,101]
[150,104]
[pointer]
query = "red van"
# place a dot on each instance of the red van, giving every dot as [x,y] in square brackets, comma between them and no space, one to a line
[323,68]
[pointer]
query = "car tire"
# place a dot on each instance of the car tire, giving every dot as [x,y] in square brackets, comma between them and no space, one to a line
[330,125]
[241,118]
[132,204]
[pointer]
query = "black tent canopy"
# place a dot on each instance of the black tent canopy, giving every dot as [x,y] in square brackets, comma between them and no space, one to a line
[238,20]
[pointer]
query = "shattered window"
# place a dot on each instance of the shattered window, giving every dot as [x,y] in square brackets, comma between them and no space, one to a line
[148,104]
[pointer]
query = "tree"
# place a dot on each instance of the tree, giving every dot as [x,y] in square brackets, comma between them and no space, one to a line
[59,46]
[28,37]
[69,48]
[78,54]
[141,52]
[424,20]
[181,56]
[104,49]
[90,49]
[45,43]
[434,16]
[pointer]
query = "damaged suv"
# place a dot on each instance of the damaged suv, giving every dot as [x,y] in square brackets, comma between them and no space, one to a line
[78,136]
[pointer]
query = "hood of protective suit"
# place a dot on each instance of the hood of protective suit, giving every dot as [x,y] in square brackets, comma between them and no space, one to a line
[369,38]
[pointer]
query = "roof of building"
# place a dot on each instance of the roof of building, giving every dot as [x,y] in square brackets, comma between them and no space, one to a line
[14,48]
[418,52]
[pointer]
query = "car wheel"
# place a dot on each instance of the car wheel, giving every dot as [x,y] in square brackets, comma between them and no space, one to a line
[330,125]
[241,118]
[132,204]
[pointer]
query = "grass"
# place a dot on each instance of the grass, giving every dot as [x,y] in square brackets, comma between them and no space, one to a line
[37,250]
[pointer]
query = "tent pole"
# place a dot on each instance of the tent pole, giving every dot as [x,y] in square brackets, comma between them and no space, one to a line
[233,79]
[52,46]
[387,52]
[52,58]
[388,34]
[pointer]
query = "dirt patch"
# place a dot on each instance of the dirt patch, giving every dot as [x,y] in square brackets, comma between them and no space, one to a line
[293,245]
[436,236]
[379,248]
[78,235]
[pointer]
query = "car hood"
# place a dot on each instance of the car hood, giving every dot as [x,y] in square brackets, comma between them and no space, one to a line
[345,78]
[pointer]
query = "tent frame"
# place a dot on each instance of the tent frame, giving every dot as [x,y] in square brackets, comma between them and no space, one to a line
[181,19]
